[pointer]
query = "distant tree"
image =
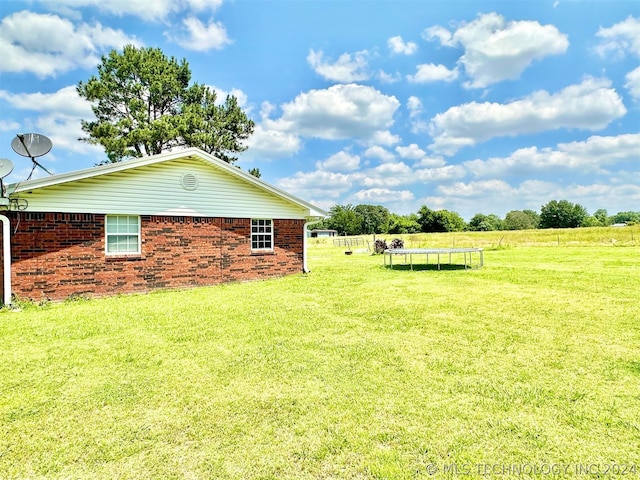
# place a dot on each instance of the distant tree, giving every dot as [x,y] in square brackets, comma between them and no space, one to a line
[626,217]
[562,214]
[602,217]
[401,224]
[255,172]
[440,220]
[481,222]
[143,105]
[520,220]
[344,219]
[535,218]
[373,218]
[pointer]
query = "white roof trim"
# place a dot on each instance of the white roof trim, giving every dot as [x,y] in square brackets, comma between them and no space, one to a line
[61,178]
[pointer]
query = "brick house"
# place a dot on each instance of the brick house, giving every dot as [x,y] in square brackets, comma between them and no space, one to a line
[173,220]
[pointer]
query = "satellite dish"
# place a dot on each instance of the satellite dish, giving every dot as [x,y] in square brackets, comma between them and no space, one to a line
[6,167]
[31,145]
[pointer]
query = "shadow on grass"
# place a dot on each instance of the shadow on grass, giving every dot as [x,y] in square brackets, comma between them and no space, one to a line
[428,267]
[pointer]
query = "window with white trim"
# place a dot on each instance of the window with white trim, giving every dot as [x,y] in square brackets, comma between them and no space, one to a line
[122,234]
[261,234]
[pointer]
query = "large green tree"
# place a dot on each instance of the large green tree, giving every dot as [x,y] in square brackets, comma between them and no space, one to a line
[374,218]
[562,214]
[144,105]
[521,220]
[344,219]
[485,223]
[440,220]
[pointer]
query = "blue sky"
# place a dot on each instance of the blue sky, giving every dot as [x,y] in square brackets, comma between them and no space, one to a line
[476,107]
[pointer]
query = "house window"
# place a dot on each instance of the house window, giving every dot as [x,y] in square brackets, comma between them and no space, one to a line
[123,234]
[261,234]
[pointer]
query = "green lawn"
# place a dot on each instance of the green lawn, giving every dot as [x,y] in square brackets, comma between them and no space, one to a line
[351,372]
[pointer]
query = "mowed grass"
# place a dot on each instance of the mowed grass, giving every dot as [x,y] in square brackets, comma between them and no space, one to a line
[351,372]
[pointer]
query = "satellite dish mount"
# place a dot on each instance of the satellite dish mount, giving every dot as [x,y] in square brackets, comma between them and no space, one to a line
[32,145]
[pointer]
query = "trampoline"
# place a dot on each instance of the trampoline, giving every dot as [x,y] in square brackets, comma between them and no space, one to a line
[468,256]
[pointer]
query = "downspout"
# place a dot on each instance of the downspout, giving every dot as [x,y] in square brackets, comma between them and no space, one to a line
[305,267]
[6,257]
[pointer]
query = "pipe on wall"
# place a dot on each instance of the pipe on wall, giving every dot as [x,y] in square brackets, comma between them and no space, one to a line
[305,236]
[6,257]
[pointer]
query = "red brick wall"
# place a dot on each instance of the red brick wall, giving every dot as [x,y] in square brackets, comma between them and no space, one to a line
[55,255]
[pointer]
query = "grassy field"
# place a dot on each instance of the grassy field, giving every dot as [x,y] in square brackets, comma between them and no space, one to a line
[351,372]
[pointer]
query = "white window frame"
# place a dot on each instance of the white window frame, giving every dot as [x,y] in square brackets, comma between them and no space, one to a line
[120,226]
[261,232]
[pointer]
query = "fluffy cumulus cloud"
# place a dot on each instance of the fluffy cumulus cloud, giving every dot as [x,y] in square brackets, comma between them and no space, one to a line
[197,36]
[268,142]
[46,44]
[498,196]
[65,101]
[340,162]
[336,113]
[348,68]
[621,39]
[496,50]
[382,195]
[399,173]
[433,73]
[633,83]
[397,45]
[414,106]
[156,10]
[59,114]
[8,126]
[317,184]
[340,112]
[413,152]
[590,105]
[376,151]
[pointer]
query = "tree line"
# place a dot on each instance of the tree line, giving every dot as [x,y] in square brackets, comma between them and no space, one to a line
[370,219]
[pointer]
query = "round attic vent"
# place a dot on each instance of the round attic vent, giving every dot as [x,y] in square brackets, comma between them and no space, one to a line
[189,181]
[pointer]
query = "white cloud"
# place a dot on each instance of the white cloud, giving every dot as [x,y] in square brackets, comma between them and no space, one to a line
[200,37]
[397,45]
[346,69]
[441,34]
[497,196]
[340,112]
[8,126]
[633,83]
[591,105]
[383,137]
[496,50]
[243,100]
[267,143]
[382,195]
[376,151]
[433,73]
[620,39]
[59,116]
[414,105]
[65,101]
[413,152]
[46,45]
[399,173]
[155,11]
[336,113]
[385,77]
[318,184]
[341,162]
